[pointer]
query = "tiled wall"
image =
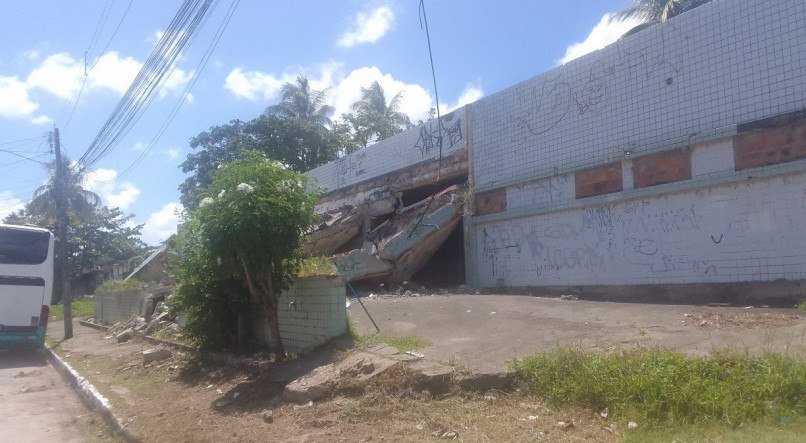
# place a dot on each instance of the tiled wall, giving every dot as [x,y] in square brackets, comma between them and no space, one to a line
[110,308]
[410,147]
[727,62]
[310,313]
[661,159]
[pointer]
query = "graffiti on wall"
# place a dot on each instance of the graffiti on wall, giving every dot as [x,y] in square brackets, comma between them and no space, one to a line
[349,168]
[599,241]
[446,132]
[567,94]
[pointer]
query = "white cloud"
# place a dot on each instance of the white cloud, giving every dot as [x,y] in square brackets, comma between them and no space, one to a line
[256,85]
[58,74]
[162,224]
[344,89]
[252,85]
[114,72]
[470,94]
[368,27]
[41,120]
[139,146]
[603,34]
[415,101]
[9,204]
[14,99]
[62,75]
[113,193]
[172,153]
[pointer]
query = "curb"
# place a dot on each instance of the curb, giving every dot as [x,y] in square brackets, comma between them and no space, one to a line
[93,325]
[89,395]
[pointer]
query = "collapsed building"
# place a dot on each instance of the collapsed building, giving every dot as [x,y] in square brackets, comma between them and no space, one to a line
[670,162]
[389,225]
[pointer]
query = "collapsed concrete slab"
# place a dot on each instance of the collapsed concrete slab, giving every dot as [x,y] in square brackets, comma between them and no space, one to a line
[337,228]
[403,244]
[360,264]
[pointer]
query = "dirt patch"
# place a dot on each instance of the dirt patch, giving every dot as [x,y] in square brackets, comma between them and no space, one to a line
[738,321]
[183,398]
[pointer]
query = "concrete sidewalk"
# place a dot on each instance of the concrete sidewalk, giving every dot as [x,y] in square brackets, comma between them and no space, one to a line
[483,331]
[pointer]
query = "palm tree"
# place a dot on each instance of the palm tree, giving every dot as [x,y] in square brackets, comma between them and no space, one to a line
[301,102]
[656,11]
[376,117]
[80,202]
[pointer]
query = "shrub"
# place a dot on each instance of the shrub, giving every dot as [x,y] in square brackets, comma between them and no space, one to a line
[658,386]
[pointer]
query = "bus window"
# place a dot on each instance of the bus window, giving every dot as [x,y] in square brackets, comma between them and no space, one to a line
[19,247]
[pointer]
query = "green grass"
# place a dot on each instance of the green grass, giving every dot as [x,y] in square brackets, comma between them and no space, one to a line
[801,306]
[755,432]
[404,343]
[82,308]
[659,387]
[316,266]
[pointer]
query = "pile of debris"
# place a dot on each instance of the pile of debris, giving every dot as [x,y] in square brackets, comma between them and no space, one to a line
[384,240]
[155,320]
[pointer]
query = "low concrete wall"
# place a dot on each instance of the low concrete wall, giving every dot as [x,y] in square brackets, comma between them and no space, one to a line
[310,313]
[115,307]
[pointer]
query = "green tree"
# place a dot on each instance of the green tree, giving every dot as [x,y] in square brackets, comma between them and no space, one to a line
[252,220]
[300,146]
[80,202]
[300,102]
[656,11]
[376,118]
[215,302]
[105,236]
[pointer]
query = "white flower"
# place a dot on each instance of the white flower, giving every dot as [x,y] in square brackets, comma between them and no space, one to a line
[221,194]
[205,201]
[245,188]
[220,166]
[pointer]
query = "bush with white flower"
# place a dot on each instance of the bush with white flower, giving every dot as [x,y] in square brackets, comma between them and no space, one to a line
[252,220]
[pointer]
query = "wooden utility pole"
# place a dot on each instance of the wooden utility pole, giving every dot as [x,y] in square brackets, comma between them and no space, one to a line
[60,196]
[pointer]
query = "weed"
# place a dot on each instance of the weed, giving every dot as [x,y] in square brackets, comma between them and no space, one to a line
[82,308]
[660,386]
[118,286]
[402,342]
[801,306]
[316,266]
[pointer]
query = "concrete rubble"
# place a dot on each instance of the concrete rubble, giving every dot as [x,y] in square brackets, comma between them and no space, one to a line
[156,354]
[362,366]
[161,319]
[381,239]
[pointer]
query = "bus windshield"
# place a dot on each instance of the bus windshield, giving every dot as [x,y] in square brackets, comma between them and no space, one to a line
[23,247]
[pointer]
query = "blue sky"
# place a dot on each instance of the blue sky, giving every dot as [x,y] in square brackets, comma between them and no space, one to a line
[479,46]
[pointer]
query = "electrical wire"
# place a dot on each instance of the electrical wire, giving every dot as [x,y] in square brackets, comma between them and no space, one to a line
[424,21]
[149,79]
[97,60]
[197,72]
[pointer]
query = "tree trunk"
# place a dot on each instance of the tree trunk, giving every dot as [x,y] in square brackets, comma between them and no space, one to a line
[263,295]
[67,302]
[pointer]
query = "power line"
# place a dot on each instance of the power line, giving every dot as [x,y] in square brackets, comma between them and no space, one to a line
[424,21]
[149,80]
[25,140]
[23,157]
[197,72]
[97,60]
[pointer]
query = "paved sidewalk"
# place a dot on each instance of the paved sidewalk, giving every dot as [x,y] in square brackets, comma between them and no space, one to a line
[483,331]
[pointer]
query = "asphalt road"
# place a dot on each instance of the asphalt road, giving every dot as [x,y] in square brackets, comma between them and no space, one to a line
[36,405]
[484,331]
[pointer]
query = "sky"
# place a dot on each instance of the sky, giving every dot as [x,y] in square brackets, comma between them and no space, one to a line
[479,47]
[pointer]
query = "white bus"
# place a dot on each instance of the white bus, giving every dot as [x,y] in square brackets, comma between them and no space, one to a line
[26,284]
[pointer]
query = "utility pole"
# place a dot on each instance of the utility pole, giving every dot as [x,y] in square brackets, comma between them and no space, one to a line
[59,193]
